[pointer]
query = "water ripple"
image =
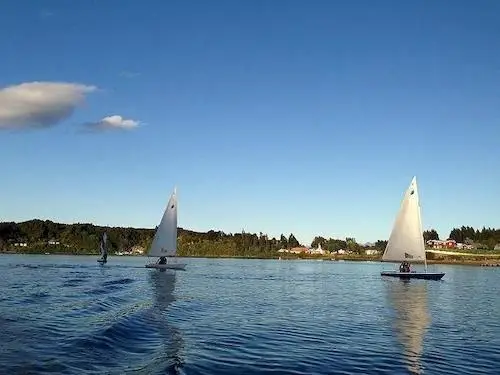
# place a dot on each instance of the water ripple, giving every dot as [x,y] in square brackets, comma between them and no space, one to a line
[68,315]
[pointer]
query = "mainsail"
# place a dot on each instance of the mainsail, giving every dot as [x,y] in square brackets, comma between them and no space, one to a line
[406,242]
[103,245]
[165,239]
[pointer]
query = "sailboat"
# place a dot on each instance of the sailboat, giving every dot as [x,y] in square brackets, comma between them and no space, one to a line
[406,242]
[164,243]
[103,247]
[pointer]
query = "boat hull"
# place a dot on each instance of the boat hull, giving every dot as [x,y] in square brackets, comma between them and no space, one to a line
[101,261]
[414,275]
[168,266]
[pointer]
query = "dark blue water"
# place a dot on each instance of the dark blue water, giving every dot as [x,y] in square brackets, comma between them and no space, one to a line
[68,315]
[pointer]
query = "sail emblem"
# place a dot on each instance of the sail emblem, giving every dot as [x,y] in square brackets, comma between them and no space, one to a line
[172,207]
[408,256]
[413,191]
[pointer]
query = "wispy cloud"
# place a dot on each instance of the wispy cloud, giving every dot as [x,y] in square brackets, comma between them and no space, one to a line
[46,13]
[129,74]
[115,122]
[40,104]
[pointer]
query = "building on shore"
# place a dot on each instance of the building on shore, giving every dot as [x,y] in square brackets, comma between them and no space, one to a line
[318,251]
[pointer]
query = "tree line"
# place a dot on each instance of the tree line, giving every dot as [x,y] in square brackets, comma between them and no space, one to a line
[350,244]
[83,238]
[486,238]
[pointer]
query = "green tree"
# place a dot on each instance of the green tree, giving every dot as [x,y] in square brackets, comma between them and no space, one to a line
[292,241]
[318,240]
[430,235]
[284,242]
[381,245]
[456,234]
[352,245]
[334,245]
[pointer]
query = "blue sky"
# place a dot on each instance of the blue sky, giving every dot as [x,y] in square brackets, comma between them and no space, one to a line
[273,116]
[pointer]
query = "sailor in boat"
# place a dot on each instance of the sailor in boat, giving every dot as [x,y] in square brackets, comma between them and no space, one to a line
[162,260]
[404,267]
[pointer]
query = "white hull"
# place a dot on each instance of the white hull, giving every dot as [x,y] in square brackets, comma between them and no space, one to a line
[171,266]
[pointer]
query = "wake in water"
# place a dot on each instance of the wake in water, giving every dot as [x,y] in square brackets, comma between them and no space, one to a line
[90,323]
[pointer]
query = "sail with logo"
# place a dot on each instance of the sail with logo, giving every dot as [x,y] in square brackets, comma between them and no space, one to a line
[164,243]
[406,242]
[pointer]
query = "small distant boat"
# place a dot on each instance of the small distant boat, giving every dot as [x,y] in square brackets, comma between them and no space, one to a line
[164,243]
[406,242]
[103,247]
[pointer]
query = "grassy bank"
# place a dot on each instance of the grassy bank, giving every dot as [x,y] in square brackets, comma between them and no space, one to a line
[462,261]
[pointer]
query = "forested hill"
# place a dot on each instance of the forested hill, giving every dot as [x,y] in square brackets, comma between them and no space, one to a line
[39,236]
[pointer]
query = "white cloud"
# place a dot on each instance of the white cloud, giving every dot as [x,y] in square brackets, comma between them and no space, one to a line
[40,104]
[46,13]
[129,74]
[114,122]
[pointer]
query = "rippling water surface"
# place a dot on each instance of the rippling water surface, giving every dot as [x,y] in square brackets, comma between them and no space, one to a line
[68,315]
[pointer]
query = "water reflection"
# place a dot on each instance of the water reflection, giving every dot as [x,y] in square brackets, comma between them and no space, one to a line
[163,292]
[409,299]
[163,289]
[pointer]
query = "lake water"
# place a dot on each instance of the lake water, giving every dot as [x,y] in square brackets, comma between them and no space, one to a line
[68,315]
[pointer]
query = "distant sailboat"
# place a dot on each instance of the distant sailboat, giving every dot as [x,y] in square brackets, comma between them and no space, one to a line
[406,242]
[165,240]
[103,247]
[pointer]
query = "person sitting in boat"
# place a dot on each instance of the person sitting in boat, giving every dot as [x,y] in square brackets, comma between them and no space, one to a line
[162,260]
[404,267]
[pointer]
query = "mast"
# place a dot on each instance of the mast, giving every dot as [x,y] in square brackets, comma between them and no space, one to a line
[421,231]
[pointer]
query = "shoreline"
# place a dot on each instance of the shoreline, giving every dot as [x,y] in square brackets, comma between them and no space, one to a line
[450,260]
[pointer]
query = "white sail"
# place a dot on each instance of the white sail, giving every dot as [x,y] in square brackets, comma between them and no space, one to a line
[165,239]
[406,242]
